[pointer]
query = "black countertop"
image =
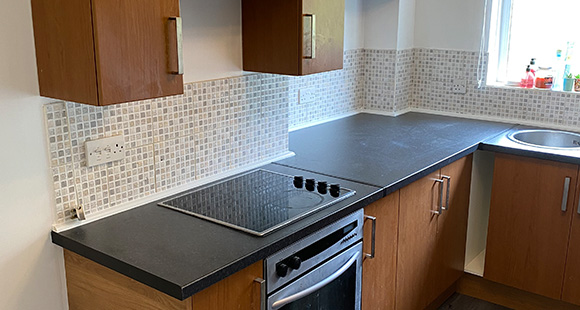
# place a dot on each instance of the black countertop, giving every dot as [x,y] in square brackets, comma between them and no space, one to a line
[374,155]
[387,152]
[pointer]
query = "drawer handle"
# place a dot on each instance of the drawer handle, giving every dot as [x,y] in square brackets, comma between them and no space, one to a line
[179,44]
[312,22]
[373,237]
[262,283]
[565,195]
[448,178]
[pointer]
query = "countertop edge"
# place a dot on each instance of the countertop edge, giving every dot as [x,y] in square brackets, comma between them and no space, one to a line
[184,292]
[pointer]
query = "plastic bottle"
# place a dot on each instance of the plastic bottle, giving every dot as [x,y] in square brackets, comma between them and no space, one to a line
[533,66]
[544,78]
[558,72]
[528,79]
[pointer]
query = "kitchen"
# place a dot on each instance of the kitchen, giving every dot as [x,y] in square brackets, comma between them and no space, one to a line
[33,268]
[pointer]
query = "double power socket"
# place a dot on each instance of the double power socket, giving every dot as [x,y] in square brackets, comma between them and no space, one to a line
[104,150]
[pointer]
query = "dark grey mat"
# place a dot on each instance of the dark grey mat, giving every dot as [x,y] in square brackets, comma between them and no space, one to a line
[458,301]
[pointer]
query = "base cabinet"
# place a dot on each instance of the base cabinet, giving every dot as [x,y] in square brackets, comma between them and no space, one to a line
[532,205]
[379,273]
[93,286]
[432,234]
[420,241]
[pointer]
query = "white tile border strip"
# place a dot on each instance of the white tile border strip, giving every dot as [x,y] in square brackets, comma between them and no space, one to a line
[176,190]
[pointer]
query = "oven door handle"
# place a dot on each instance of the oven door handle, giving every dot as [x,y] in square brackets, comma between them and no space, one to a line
[282,302]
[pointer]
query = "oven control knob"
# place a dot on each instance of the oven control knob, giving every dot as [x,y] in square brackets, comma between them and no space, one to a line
[294,262]
[281,269]
[298,181]
[310,184]
[322,187]
[335,190]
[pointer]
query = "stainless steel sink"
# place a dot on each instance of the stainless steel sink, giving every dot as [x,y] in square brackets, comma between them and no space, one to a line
[553,139]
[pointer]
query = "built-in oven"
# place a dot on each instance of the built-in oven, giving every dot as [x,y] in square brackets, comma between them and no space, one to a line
[320,272]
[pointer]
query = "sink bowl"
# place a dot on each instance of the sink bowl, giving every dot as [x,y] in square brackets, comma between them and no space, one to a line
[553,139]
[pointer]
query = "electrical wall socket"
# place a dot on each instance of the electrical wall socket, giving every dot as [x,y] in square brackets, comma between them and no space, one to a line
[459,86]
[306,95]
[105,150]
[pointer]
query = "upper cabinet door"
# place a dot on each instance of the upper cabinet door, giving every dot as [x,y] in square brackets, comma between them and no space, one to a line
[135,49]
[107,51]
[532,202]
[294,37]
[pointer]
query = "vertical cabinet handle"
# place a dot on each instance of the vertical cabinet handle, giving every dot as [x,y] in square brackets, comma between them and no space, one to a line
[439,210]
[262,283]
[179,45]
[578,210]
[310,19]
[373,237]
[448,178]
[565,195]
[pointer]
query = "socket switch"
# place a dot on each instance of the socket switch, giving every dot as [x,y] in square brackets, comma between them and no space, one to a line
[459,86]
[307,95]
[105,150]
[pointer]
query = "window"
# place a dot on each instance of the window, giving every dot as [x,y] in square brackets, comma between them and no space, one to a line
[524,29]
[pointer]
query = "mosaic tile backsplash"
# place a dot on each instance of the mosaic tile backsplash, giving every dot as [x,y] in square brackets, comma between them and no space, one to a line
[225,124]
[214,127]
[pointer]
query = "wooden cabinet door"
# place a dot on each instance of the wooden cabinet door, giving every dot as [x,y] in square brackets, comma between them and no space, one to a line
[571,289]
[277,36]
[528,231]
[132,49]
[238,291]
[379,273]
[452,224]
[416,257]
[327,37]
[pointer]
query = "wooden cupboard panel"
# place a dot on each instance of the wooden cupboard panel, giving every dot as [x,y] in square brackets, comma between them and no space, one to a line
[131,47]
[65,58]
[528,233]
[571,289]
[416,263]
[329,35]
[93,286]
[271,36]
[452,224]
[379,274]
[238,291]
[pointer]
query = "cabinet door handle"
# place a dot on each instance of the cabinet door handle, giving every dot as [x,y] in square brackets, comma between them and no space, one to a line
[179,45]
[578,210]
[262,283]
[439,210]
[312,22]
[448,178]
[373,237]
[565,195]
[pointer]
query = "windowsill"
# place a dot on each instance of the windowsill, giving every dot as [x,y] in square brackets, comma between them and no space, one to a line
[503,86]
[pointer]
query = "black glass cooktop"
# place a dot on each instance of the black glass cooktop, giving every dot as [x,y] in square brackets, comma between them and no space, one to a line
[257,202]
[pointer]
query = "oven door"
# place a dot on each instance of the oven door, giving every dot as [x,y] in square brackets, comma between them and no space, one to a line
[334,285]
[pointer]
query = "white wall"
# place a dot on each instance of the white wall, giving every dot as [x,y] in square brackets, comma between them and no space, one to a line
[381,19]
[31,268]
[406,26]
[448,24]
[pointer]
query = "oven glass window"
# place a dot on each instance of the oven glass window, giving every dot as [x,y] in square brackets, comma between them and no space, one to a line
[339,294]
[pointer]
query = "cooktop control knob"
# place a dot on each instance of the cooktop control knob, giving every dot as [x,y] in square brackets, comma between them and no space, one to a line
[294,262]
[322,187]
[281,269]
[310,184]
[335,190]
[298,181]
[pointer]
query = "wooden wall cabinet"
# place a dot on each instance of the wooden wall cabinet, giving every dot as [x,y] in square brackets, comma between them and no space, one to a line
[107,51]
[431,252]
[93,286]
[292,37]
[529,227]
